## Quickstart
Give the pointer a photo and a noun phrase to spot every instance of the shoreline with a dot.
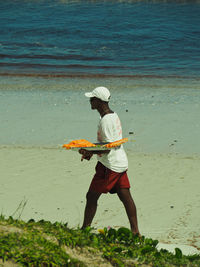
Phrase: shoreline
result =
(81, 75)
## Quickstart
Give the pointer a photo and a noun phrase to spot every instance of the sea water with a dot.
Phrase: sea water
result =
(124, 38)
(146, 52)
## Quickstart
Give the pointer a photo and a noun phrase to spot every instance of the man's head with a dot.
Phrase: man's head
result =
(101, 93)
(99, 98)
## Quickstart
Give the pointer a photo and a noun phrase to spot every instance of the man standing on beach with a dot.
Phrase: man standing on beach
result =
(111, 169)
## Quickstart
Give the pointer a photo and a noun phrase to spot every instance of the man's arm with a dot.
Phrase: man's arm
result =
(87, 154)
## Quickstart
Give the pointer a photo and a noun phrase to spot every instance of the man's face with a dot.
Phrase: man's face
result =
(94, 102)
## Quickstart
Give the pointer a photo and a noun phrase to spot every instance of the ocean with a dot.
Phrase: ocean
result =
(100, 38)
(146, 52)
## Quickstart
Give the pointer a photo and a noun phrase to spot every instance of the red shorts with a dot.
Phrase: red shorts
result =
(106, 180)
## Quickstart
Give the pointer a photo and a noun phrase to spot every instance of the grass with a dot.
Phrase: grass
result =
(44, 243)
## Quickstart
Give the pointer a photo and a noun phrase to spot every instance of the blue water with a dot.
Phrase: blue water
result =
(100, 38)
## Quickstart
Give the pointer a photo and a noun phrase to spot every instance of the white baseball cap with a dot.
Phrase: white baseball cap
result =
(100, 92)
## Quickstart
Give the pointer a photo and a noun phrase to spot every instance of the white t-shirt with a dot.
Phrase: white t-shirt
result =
(110, 130)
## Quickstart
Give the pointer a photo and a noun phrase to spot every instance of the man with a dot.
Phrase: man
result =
(111, 175)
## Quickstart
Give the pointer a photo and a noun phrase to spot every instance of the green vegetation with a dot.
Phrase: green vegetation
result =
(44, 243)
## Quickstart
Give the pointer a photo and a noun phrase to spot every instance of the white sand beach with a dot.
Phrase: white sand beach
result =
(39, 115)
(53, 183)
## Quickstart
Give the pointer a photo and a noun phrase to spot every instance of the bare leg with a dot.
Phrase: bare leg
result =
(91, 207)
(125, 196)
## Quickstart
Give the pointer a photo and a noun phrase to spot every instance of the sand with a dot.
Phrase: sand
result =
(161, 115)
(51, 183)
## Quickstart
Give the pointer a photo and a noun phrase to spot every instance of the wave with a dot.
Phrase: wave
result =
(56, 57)
(60, 66)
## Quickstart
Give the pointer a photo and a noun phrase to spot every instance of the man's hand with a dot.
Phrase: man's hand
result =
(85, 154)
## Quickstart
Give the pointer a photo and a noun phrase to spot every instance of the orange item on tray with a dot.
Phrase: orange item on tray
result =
(116, 143)
(78, 143)
(84, 143)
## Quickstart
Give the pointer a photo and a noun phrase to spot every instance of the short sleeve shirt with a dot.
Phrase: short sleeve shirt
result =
(110, 130)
